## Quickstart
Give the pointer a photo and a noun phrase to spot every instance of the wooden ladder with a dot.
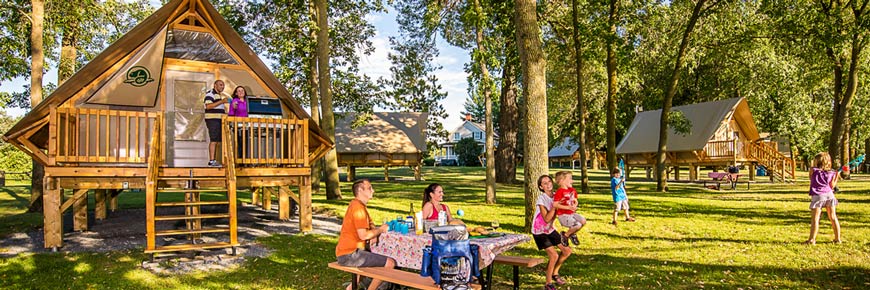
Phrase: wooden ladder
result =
(189, 194)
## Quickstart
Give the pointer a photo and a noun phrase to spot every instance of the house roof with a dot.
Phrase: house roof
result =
(386, 132)
(566, 148)
(706, 118)
(145, 31)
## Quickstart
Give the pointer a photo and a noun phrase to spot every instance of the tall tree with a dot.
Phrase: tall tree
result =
(327, 121)
(480, 56)
(699, 9)
(314, 99)
(581, 98)
(505, 160)
(37, 63)
(535, 97)
(612, 83)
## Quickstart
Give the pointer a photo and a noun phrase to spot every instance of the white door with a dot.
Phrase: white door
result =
(187, 137)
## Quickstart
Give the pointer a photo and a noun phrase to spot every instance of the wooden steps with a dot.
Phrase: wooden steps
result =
(189, 247)
(188, 232)
(186, 188)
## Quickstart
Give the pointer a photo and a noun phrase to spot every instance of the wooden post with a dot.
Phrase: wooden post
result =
(283, 203)
(267, 198)
(647, 169)
(305, 224)
(677, 172)
(113, 199)
(418, 175)
(351, 173)
(80, 210)
(751, 171)
(100, 204)
(386, 173)
(255, 196)
(52, 217)
(693, 172)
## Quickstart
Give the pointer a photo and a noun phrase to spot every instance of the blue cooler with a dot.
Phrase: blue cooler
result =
(451, 261)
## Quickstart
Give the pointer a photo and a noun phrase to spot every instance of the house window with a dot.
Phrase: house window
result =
(456, 136)
(477, 135)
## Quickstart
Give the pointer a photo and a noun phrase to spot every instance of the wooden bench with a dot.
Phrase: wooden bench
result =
(516, 262)
(395, 276)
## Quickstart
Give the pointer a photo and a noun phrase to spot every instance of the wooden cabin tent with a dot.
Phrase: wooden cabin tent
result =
(388, 139)
(722, 133)
(133, 118)
(569, 151)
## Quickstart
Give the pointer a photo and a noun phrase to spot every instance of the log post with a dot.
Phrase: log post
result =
(677, 172)
(113, 200)
(100, 204)
(52, 217)
(80, 210)
(351, 173)
(751, 171)
(386, 173)
(284, 202)
(418, 174)
(305, 215)
(267, 198)
(693, 172)
(255, 196)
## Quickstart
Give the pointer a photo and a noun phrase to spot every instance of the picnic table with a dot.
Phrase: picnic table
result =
(732, 178)
(407, 250)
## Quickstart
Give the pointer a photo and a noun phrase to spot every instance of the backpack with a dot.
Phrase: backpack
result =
(451, 261)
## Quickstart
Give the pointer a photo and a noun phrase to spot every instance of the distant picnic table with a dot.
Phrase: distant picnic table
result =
(719, 177)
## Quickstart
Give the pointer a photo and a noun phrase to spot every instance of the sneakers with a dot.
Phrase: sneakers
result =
(549, 287)
(213, 163)
(564, 239)
(574, 240)
(631, 219)
(559, 280)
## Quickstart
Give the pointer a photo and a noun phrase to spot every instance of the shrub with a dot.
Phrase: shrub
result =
(467, 151)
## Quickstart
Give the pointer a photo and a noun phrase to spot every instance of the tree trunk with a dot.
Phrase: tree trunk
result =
(506, 166)
(661, 177)
(37, 58)
(314, 97)
(535, 96)
(843, 99)
(328, 117)
(581, 100)
(611, 84)
(487, 95)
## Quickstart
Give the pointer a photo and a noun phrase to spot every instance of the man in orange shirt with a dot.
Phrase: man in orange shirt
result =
(357, 229)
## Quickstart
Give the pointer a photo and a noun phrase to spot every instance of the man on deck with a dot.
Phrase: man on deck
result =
(357, 229)
(214, 111)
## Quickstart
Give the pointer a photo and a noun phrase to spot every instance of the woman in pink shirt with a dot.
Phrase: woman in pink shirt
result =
(239, 106)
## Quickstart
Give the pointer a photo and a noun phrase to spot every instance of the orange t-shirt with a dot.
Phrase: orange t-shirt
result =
(356, 217)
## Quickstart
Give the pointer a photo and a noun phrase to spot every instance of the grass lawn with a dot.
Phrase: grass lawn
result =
(688, 238)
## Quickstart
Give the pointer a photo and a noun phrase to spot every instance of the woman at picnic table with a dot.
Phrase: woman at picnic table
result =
(432, 206)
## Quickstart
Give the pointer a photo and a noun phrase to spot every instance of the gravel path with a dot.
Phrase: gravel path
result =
(125, 230)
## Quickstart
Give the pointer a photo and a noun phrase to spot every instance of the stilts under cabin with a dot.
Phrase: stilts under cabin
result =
(133, 118)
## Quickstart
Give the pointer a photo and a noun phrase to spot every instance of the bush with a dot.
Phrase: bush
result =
(428, 161)
(468, 150)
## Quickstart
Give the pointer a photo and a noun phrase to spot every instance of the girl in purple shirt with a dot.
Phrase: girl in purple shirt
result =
(822, 183)
(238, 106)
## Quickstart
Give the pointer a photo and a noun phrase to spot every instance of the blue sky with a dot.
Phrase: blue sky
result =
(451, 77)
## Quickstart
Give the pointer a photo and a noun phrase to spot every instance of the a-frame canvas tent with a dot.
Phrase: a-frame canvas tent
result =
(125, 119)
(722, 133)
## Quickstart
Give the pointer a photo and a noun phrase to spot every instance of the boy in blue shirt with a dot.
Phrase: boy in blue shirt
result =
(620, 200)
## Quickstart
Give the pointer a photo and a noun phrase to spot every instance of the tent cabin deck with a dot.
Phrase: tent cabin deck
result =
(133, 118)
(387, 140)
(722, 134)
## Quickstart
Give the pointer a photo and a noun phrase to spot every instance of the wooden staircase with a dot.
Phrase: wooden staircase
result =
(780, 167)
(173, 191)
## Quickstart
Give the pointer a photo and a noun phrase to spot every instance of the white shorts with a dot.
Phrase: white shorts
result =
(572, 220)
(823, 201)
(621, 205)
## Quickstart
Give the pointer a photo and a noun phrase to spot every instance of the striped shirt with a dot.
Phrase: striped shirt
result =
(216, 112)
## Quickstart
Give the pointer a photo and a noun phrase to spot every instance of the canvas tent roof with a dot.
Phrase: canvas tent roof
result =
(128, 44)
(386, 132)
(706, 118)
(566, 148)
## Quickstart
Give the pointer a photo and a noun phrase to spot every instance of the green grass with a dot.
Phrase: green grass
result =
(687, 238)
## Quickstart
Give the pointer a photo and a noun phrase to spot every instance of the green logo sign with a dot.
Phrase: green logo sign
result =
(138, 76)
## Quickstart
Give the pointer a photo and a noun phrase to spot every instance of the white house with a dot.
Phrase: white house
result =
(467, 129)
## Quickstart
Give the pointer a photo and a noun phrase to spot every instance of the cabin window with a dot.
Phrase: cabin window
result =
(457, 136)
(194, 45)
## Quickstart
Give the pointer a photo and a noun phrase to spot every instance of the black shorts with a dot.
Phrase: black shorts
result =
(215, 133)
(548, 240)
(362, 259)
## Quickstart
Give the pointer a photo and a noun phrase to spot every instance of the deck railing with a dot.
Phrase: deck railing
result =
(269, 142)
(101, 136)
(721, 149)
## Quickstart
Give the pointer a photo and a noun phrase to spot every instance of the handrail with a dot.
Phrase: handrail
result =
(100, 135)
(151, 179)
(776, 162)
(267, 141)
(229, 155)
